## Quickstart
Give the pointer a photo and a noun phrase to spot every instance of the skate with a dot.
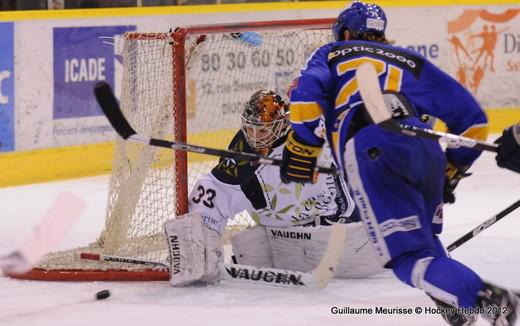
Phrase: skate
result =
(499, 306)
(454, 317)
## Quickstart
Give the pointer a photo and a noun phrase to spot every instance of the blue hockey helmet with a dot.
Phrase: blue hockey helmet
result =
(359, 18)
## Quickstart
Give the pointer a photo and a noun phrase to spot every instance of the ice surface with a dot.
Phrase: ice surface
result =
(494, 254)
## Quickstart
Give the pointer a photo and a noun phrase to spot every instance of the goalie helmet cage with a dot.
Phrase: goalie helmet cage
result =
(189, 85)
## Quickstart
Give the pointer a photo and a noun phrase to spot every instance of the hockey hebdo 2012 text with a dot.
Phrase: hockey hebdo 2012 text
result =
(346, 310)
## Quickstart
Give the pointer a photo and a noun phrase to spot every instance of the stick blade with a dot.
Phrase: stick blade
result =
(325, 270)
(108, 103)
(55, 224)
(368, 83)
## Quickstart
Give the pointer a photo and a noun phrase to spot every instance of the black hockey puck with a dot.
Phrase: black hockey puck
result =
(102, 295)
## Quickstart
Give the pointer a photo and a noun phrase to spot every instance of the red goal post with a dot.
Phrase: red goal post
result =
(188, 85)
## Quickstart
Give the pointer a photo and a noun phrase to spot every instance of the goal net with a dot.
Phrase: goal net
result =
(189, 85)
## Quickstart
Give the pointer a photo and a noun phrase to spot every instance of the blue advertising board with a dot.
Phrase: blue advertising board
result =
(6, 87)
(83, 56)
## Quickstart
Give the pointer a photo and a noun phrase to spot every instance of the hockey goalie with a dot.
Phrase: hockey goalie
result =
(292, 220)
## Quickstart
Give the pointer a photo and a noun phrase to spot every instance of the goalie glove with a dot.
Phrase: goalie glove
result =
(508, 155)
(453, 175)
(299, 160)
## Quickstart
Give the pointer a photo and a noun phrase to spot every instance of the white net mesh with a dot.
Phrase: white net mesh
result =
(222, 72)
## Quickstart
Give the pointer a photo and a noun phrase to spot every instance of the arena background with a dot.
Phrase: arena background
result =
(45, 136)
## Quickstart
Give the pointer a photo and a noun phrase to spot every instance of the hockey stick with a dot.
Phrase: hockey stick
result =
(318, 278)
(126, 260)
(271, 276)
(484, 225)
(110, 107)
(368, 84)
(57, 221)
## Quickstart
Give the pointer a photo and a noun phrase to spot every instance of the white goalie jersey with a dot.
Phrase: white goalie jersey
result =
(234, 186)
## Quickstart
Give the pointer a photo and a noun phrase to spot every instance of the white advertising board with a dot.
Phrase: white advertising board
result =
(57, 62)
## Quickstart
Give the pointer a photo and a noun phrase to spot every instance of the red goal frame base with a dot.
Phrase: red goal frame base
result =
(77, 275)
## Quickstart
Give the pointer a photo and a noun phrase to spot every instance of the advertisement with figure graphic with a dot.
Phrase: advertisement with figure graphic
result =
(6, 88)
(485, 54)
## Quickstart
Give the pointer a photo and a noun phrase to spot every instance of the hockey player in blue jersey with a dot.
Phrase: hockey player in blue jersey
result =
(508, 155)
(399, 182)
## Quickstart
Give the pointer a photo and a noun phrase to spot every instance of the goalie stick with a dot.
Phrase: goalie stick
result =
(482, 226)
(372, 96)
(110, 107)
(318, 278)
(57, 221)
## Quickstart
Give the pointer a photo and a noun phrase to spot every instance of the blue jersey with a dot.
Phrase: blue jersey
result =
(327, 86)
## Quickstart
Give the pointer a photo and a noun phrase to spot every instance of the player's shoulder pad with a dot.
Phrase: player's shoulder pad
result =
(230, 170)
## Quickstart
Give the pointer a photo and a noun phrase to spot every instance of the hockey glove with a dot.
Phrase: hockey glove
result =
(453, 175)
(509, 149)
(299, 160)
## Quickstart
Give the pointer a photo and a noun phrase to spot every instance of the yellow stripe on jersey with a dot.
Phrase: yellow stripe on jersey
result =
(338, 125)
(304, 112)
(394, 78)
(478, 132)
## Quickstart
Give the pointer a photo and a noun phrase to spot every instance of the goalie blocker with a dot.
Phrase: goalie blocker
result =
(196, 253)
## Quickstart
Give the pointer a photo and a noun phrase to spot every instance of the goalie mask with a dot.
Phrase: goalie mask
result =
(264, 119)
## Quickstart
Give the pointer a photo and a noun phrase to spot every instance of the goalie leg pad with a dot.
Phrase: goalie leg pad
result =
(252, 247)
(302, 248)
(214, 257)
(195, 251)
(359, 258)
